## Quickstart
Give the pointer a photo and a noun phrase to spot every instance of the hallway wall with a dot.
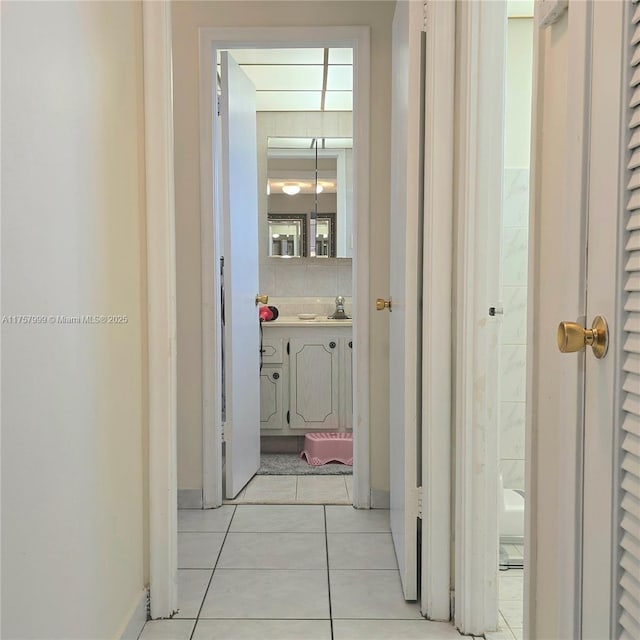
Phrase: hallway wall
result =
(74, 536)
(187, 17)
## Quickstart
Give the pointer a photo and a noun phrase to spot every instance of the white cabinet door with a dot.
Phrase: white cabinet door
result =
(346, 383)
(314, 383)
(272, 398)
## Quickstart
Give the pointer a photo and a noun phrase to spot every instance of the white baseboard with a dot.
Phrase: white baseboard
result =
(189, 498)
(380, 499)
(137, 618)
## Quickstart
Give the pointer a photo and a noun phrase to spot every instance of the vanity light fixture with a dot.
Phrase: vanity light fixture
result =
(291, 189)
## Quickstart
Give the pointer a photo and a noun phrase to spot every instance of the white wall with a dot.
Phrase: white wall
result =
(519, 78)
(187, 17)
(515, 223)
(73, 396)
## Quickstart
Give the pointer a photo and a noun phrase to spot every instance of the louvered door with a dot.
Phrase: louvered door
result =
(629, 455)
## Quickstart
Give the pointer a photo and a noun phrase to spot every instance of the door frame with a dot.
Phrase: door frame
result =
(210, 40)
(439, 83)
(481, 37)
(161, 309)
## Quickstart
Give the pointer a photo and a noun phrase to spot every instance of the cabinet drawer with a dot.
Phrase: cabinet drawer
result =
(272, 350)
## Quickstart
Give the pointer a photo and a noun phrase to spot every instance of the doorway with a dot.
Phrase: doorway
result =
(513, 331)
(491, 307)
(305, 40)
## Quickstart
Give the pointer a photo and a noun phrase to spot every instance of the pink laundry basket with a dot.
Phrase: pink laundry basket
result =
(321, 448)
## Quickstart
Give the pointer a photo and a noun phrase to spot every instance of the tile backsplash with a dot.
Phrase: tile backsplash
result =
(513, 365)
(320, 305)
(306, 277)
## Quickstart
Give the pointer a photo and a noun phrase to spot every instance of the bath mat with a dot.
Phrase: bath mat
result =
(290, 464)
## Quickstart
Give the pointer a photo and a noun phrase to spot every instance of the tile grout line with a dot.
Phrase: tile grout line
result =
(326, 542)
(206, 591)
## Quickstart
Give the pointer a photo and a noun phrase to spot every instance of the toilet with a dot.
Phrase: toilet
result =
(511, 515)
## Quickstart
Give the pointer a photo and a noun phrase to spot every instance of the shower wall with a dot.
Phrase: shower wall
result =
(513, 345)
(515, 224)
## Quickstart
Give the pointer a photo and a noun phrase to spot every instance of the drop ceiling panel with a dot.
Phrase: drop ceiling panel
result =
(338, 101)
(278, 56)
(292, 79)
(288, 100)
(340, 56)
(290, 143)
(338, 143)
(285, 77)
(339, 78)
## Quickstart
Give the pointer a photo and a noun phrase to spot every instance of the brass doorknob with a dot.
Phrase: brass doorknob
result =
(574, 337)
(261, 299)
(382, 304)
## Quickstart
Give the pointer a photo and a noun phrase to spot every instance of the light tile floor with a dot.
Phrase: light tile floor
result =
(510, 606)
(290, 572)
(296, 490)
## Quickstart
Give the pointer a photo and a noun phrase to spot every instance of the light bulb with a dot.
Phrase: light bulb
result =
(319, 188)
(291, 189)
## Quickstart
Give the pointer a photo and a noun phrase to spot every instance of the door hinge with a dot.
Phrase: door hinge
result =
(415, 505)
(425, 14)
(223, 434)
(288, 416)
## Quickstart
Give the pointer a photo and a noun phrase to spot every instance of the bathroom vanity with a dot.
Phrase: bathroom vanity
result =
(306, 376)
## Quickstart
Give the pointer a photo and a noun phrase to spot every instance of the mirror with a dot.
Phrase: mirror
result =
(310, 197)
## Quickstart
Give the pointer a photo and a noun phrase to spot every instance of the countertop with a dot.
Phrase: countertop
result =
(294, 321)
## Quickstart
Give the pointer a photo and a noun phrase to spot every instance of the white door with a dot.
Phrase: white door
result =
(239, 187)
(404, 285)
(576, 210)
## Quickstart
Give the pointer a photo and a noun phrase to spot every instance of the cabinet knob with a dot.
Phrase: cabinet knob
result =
(350, 344)
(332, 345)
(276, 375)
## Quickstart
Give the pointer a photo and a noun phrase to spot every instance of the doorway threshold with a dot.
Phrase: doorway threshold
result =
(301, 489)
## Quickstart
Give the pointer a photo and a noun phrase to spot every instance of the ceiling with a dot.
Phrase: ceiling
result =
(299, 79)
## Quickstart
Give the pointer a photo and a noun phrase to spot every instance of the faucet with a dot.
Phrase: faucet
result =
(339, 313)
